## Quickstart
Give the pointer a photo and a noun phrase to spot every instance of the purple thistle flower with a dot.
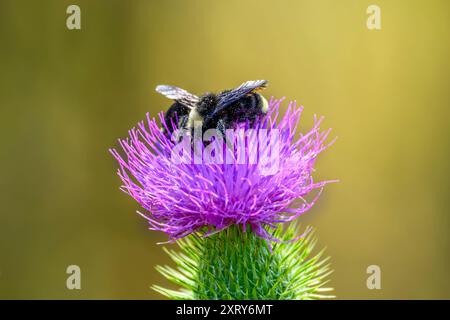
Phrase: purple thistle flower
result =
(182, 198)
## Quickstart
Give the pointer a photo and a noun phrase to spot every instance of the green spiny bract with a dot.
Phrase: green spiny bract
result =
(237, 264)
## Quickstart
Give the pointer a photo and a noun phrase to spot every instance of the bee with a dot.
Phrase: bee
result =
(219, 111)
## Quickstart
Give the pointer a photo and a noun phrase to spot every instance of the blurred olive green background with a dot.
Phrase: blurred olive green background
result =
(66, 96)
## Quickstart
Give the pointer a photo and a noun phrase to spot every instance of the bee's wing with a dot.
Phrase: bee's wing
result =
(227, 98)
(178, 94)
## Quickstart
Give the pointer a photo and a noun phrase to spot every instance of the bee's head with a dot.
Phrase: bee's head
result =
(207, 104)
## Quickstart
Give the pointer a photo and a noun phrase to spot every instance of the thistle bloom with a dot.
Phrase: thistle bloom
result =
(182, 198)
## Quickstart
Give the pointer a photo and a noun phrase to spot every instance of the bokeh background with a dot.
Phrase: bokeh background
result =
(66, 96)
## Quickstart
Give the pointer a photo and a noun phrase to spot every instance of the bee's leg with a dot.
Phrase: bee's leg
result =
(182, 123)
(221, 128)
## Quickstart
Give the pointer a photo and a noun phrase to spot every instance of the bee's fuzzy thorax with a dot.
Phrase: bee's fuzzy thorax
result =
(207, 103)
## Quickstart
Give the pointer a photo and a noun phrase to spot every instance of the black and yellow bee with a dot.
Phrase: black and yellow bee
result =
(220, 111)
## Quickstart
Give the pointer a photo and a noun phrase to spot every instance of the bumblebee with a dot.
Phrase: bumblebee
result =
(219, 111)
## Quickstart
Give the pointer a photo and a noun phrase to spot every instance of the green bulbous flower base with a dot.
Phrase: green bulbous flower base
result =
(238, 265)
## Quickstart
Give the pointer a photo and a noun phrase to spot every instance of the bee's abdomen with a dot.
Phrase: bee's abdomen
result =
(263, 104)
(247, 109)
(258, 103)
